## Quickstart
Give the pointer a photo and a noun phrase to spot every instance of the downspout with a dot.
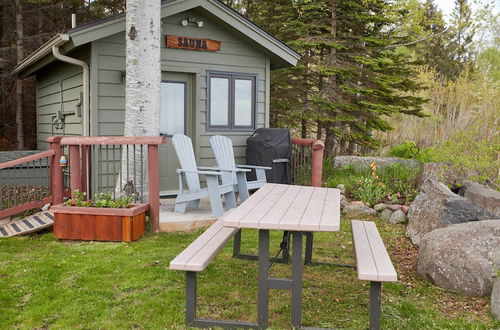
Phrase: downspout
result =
(86, 89)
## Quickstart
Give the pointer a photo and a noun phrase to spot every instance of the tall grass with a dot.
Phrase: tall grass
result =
(462, 124)
(471, 103)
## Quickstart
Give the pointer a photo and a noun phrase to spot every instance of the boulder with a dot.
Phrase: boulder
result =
(397, 216)
(446, 172)
(363, 163)
(358, 211)
(341, 186)
(460, 257)
(482, 195)
(380, 207)
(495, 293)
(436, 206)
(386, 214)
(495, 299)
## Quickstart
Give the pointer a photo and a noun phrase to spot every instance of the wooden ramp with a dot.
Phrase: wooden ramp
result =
(27, 225)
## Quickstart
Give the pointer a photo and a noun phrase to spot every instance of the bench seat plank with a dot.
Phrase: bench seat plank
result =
(373, 261)
(203, 250)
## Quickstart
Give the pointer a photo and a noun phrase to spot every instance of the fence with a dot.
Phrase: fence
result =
(307, 162)
(111, 165)
(25, 183)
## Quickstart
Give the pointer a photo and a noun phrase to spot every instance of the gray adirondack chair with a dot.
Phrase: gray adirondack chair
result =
(189, 173)
(224, 155)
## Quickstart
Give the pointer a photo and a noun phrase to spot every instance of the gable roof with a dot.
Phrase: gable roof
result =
(281, 55)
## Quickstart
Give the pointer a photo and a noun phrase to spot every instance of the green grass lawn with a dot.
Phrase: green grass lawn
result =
(45, 283)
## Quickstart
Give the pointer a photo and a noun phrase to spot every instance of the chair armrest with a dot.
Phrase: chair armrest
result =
(223, 169)
(198, 172)
(255, 167)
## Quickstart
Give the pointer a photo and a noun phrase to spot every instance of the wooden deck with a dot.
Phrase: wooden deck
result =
(27, 225)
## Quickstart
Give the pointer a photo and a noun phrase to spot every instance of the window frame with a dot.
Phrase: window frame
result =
(232, 76)
(185, 103)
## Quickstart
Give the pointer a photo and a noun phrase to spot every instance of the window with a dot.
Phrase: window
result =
(231, 101)
(172, 107)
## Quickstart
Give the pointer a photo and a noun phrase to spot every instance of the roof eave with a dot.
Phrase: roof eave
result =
(40, 53)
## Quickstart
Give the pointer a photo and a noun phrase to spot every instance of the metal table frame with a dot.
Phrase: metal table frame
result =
(265, 283)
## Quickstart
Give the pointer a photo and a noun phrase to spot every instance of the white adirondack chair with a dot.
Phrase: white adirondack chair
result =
(190, 173)
(224, 155)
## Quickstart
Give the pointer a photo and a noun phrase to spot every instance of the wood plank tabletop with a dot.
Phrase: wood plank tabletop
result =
(288, 207)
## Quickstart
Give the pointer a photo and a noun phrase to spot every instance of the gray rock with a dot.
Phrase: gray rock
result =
(487, 197)
(437, 206)
(460, 257)
(343, 201)
(397, 216)
(380, 207)
(363, 163)
(495, 299)
(445, 172)
(395, 207)
(386, 214)
(358, 211)
(341, 186)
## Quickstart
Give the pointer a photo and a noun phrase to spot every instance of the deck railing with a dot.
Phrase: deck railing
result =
(307, 162)
(25, 183)
(115, 165)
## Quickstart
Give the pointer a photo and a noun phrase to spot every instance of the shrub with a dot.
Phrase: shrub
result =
(409, 150)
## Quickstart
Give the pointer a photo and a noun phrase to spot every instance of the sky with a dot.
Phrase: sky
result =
(447, 6)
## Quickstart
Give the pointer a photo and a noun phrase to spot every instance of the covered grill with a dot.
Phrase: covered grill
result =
(271, 147)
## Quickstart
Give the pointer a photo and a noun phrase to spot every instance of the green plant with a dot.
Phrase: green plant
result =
(100, 200)
(409, 150)
(392, 184)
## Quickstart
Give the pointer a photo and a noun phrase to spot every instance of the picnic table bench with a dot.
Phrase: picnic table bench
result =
(372, 264)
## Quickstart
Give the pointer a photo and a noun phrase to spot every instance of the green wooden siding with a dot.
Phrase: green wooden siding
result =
(59, 86)
(108, 62)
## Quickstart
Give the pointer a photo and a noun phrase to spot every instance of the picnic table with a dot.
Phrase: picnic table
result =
(296, 209)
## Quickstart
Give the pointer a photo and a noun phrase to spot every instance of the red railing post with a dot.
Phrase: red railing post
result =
(154, 186)
(56, 175)
(317, 147)
(75, 181)
(317, 163)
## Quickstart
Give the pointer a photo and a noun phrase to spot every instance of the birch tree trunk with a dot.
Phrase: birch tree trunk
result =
(19, 82)
(143, 77)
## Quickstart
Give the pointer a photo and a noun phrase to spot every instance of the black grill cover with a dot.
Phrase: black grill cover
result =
(271, 147)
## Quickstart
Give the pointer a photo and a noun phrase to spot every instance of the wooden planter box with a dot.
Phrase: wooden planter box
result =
(99, 224)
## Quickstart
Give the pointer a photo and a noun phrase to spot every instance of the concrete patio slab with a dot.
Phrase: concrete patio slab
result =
(171, 221)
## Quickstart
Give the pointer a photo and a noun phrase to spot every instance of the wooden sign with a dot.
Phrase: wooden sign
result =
(193, 43)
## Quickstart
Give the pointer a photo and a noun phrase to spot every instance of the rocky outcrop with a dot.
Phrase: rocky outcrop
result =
(484, 196)
(436, 206)
(363, 163)
(461, 257)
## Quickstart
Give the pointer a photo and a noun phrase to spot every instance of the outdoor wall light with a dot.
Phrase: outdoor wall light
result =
(191, 20)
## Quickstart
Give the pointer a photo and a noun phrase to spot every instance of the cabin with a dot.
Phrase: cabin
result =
(215, 64)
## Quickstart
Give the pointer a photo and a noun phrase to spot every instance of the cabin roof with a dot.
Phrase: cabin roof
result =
(280, 54)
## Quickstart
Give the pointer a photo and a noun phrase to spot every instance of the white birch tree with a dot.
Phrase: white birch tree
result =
(143, 76)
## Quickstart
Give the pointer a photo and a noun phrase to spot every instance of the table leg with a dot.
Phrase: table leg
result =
(263, 302)
(296, 310)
